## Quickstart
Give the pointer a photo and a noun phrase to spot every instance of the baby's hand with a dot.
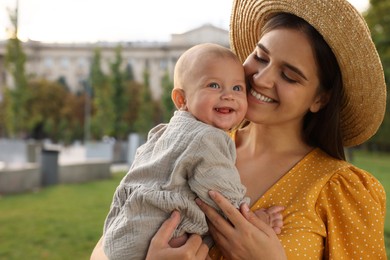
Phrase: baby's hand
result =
(272, 216)
(178, 241)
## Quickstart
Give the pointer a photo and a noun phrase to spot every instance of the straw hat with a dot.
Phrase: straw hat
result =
(346, 32)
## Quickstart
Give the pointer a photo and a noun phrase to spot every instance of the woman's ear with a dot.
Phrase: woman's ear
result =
(178, 98)
(320, 101)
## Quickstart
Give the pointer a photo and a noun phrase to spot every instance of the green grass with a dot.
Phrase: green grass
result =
(59, 222)
(65, 221)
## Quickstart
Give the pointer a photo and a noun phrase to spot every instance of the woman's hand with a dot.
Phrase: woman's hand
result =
(159, 247)
(243, 235)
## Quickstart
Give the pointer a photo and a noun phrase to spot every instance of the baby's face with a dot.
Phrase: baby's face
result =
(216, 92)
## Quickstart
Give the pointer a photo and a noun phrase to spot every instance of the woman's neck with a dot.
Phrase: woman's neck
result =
(260, 139)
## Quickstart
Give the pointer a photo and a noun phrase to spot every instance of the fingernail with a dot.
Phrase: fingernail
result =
(174, 213)
(198, 201)
(212, 194)
(245, 207)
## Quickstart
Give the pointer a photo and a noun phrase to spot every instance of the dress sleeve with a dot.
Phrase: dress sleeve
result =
(352, 206)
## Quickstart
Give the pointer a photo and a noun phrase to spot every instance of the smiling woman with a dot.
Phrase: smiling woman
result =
(115, 20)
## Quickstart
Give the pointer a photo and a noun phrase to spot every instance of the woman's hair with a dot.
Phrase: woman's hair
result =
(321, 129)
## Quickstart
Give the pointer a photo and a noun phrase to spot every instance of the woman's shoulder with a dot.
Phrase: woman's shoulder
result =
(358, 183)
(345, 178)
(328, 171)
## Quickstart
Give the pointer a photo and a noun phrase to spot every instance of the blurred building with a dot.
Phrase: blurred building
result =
(70, 63)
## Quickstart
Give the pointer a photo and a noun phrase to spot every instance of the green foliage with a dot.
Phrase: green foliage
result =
(14, 60)
(133, 94)
(113, 104)
(6, 114)
(145, 117)
(45, 105)
(72, 118)
(119, 97)
(378, 19)
(102, 122)
(168, 107)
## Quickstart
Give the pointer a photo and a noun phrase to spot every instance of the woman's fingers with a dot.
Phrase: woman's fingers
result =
(159, 248)
(215, 219)
(231, 212)
(164, 234)
(195, 241)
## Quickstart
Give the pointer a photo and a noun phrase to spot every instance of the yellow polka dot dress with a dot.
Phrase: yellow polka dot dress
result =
(333, 210)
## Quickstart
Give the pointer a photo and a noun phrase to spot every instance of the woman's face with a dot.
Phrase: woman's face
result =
(282, 79)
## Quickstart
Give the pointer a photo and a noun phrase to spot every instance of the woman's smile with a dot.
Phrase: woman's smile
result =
(261, 97)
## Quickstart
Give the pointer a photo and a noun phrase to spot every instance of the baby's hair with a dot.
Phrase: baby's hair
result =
(193, 56)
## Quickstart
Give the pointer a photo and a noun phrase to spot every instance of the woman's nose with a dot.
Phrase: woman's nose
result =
(265, 77)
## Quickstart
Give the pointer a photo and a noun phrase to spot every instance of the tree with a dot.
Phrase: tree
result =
(16, 98)
(378, 19)
(72, 118)
(119, 98)
(102, 122)
(145, 116)
(133, 94)
(166, 101)
(45, 106)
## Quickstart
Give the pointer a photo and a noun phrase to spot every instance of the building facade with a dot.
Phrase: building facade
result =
(71, 62)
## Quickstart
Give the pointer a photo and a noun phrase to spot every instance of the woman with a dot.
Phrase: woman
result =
(316, 86)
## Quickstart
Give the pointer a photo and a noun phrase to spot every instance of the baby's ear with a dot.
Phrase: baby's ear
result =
(179, 98)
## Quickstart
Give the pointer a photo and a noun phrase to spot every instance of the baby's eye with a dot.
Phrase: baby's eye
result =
(214, 85)
(237, 88)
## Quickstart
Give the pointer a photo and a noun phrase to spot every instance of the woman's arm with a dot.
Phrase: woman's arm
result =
(159, 247)
(98, 253)
(243, 235)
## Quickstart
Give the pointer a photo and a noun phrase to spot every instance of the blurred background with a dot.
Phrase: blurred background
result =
(81, 84)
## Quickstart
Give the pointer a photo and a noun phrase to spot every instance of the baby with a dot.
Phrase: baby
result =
(184, 159)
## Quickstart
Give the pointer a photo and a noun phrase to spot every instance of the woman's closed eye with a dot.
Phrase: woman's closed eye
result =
(288, 79)
(260, 59)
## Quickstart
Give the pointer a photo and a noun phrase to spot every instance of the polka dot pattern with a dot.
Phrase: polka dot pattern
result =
(333, 210)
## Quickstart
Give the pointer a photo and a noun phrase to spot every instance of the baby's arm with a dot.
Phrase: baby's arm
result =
(272, 216)
(214, 168)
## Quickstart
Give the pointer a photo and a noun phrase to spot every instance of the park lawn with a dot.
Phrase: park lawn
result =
(65, 221)
(58, 222)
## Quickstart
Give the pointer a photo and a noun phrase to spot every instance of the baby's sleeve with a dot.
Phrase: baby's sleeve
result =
(215, 170)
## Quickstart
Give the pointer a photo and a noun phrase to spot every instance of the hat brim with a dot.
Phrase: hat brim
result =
(346, 32)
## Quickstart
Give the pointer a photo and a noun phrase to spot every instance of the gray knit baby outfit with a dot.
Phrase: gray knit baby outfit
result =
(180, 161)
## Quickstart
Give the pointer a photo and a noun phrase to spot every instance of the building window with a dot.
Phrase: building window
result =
(48, 62)
(65, 63)
(82, 62)
(163, 64)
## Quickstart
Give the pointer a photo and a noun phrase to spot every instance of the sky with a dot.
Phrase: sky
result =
(67, 21)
